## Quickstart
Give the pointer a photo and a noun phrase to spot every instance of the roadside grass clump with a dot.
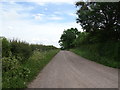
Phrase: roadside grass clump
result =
(103, 53)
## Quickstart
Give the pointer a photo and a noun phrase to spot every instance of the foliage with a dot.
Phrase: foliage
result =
(37, 55)
(5, 47)
(68, 37)
(81, 39)
(20, 49)
(17, 75)
(37, 62)
(100, 19)
(41, 47)
(13, 73)
(21, 61)
(104, 53)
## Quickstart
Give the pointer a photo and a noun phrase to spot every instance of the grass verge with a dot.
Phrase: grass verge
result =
(94, 56)
(38, 61)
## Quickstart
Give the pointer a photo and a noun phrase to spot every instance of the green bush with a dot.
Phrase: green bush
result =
(13, 73)
(21, 49)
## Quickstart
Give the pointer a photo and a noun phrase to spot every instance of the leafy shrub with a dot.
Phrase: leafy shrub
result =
(13, 73)
(21, 49)
(37, 55)
(9, 63)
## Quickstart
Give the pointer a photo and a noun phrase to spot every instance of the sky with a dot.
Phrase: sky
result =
(37, 21)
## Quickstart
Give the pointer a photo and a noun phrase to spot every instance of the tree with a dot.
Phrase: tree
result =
(68, 37)
(100, 18)
(81, 39)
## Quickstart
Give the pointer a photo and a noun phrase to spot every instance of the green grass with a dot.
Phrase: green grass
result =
(19, 75)
(95, 56)
(38, 61)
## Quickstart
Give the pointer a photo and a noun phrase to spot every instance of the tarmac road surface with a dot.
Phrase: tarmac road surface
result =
(68, 70)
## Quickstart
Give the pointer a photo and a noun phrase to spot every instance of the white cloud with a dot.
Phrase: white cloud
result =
(72, 14)
(11, 12)
(10, 28)
(38, 16)
(55, 18)
(9, 15)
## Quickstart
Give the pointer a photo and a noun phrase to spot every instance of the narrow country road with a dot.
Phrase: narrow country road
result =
(68, 70)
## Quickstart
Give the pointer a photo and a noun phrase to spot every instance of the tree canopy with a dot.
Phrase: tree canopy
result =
(100, 22)
(100, 18)
(68, 37)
